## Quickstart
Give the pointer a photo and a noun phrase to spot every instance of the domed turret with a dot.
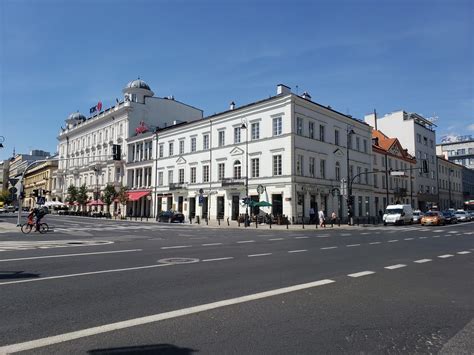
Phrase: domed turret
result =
(74, 119)
(140, 84)
(136, 91)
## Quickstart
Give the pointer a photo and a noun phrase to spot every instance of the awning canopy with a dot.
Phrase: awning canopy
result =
(136, 195)
(95, 203)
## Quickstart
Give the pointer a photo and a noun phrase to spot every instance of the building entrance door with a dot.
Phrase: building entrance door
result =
(220, 206)
(235, 207)
(169, 203)
(204, 207)
(180, 203)
(192, 207)
(277, 205)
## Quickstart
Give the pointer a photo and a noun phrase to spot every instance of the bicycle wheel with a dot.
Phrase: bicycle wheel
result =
(43, 228)
(26, 228)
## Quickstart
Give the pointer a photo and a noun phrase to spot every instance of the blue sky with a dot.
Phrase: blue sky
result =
(57, 57)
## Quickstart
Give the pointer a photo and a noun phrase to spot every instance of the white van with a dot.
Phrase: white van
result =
(398, 214)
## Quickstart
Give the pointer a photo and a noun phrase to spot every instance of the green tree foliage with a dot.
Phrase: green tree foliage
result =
(109, 195)
(5, 197)
(71, 194)
(81, 197)
(122, 195)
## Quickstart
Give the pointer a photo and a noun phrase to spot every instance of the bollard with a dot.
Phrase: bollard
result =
(141, 218)
(302, 221)
(190, 220)
(357, 221)
(339, 221)
(207, 221)
(238, 221)
(219, 221)
(256, 223)
(147, 218)
(198, 220)
(270, 223)
(228, 221)
(287, 223)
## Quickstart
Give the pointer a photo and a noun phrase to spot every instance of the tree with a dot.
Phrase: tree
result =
(71, 194)
(5, 197)
(82, 196)
(109, 195)
(122, 195)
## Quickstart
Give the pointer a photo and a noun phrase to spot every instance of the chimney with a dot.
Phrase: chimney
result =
(283, 89)
(306, 96)
(232, 105)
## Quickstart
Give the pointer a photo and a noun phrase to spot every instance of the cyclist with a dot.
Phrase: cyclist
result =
(39, 214)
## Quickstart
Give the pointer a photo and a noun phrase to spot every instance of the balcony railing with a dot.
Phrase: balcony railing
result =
(177, 186)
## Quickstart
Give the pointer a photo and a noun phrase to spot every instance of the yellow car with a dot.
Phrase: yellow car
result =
(434, 218)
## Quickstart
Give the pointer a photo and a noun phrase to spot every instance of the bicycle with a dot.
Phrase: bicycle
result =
(28, 226)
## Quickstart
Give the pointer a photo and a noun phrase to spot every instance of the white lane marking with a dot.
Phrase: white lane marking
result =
(436, 236)
(422, 237)
(421, 261)
(362, 273)
(453, 232)
(326, 248)
(38, 343)
(345, 234)
(67, 255)
(438, 231)
(364, 233)
(211, 244)
(352, 245)
(218, 259)
(177, 247)
(297, 251)
(301, 237)
(263, 254)
(83, 274)
(463, 252)
(276, 239)
(246, 241)
(373, 243)
(185, 235)
(393, 241)
(445, 256)
(408, 239)
(393, 267)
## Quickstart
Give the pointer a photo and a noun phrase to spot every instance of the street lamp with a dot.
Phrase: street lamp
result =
(244, 126)
(350, 132)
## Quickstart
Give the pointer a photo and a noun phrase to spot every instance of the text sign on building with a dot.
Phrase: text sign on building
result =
(96, 108)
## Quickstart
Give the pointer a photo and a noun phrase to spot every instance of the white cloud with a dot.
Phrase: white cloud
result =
(471, 127)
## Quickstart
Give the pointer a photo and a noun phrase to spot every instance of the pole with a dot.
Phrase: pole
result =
(349, 182)
(449, 186)
(411, 187)
(210, 172)
(247, 173)
(156, 176)
(386, 178)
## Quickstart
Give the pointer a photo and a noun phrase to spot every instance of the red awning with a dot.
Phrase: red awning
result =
(95, 203)
(136, 195)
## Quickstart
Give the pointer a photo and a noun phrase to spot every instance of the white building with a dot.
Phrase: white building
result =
(450, 184)
(291, 149)
(417, 134)
(458, 149)
(85, 144)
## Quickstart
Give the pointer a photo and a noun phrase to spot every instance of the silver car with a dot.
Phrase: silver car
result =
(417, 216)
(462, 216)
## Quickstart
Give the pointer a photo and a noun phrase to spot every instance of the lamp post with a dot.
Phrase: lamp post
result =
(244, 126)
(349, 132)
(449, 186)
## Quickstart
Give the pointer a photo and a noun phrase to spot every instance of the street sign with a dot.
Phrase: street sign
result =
(260, 189)
(13, 181)
(41, 200)
(343, 187)
(397, 173)
(201, 199)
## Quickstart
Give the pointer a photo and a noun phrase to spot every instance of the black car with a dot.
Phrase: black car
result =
(450, 217)
(171, 216)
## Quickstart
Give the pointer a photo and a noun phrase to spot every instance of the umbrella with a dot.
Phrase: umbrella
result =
(53, 204)
(95, 203)
(263, 204)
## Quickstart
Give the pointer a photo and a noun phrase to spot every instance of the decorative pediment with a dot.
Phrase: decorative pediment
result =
(236, 151)
(181, 160)
(395, 150)
(338, 153)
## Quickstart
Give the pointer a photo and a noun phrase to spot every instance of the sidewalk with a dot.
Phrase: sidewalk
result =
(8, 227)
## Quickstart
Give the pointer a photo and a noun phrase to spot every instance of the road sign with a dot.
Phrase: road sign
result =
(13, 181)
(397, 173)
(41, 200)
(201, 199)
(260, 189)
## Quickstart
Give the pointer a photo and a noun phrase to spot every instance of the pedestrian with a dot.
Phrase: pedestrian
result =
(380, 214)
(333, 218)
(322, 222)
(312, 214)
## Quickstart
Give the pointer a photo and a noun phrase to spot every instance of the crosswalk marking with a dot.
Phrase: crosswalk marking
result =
(49, 244)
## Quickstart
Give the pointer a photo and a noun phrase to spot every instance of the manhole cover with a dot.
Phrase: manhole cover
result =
(178, 261)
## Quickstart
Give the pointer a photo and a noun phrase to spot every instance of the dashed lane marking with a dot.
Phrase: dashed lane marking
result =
(297, 251)
(362, 273)
(373, 243)
(422, 261)
(301, 237)
(393, 241)
(246, 241)
(177, 247)
(263, 254)
(453, 232)
(445, 256)
(276, 239)
(211, 244)
(326, 248)
(352, 245)
(463, 252)
(408, 239)
(393, 267)
(436, 236)
(218, 259)
(422, 237)
(69, 255)
(364, 233)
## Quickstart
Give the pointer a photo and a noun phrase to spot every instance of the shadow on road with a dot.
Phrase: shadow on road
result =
(6, 275)
(157, 349)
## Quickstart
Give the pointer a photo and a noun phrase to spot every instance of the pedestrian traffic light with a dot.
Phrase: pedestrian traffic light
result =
(117, 152)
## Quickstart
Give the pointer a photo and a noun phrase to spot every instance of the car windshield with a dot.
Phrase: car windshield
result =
(394, 211)
(460, 212)
(431, 214)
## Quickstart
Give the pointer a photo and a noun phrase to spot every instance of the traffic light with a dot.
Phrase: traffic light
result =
(350, 200)
(424, 166)
(35, 193)
(117, 152)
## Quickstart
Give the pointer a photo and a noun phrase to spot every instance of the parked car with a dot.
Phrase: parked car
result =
(398, 214)
(171, 216)
(450, 217)
(462, 216)
(433, 218)
(9, 208)
(417, 214)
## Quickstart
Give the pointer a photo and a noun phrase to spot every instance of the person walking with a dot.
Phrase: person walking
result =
(312, 214)
(333, 218)
(322, 222)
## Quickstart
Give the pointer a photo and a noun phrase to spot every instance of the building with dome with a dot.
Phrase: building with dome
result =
(85, 143)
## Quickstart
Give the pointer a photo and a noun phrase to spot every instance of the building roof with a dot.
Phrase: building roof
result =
(390, 146)
(140, 84)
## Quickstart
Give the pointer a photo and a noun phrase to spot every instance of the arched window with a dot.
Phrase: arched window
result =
(237, 170)
(338, 171)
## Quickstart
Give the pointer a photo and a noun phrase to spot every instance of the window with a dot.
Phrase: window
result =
(365, 145)
(221, 141)
(349, 141)
(311, 166)
(359, 170)
(359, 199)
(299, 165)
(237, 134)
(205, 142)
(376, 182)
(418, 138)
(431, 143)
(311, 129)
(375, 159)
(221, 171)
(161, 150)
(299, 126)
(170, 177)
(277, 127)
(205, 173)
(338, 171)
(357, 143)
(181, 146)
(193, 144)
(255, 127)
(336, 137)
(181, 176)
(171, 148)
(277, 165)
(366, 176)
(193, 175)
(322, 169)
(384, 183)
(425, 141)
(321, 133)
(255, 164)
(237, 169)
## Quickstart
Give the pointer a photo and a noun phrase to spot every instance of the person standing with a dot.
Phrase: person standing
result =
(322, 222)
(333, 218)
(312, 214)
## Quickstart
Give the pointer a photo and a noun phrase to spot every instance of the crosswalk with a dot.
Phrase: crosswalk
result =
(49, 244)
(115, 227)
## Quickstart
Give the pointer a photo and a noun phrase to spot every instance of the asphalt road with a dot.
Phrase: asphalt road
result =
(130, 287)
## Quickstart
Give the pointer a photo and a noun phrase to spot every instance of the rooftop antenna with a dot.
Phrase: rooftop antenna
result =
(375, 119)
